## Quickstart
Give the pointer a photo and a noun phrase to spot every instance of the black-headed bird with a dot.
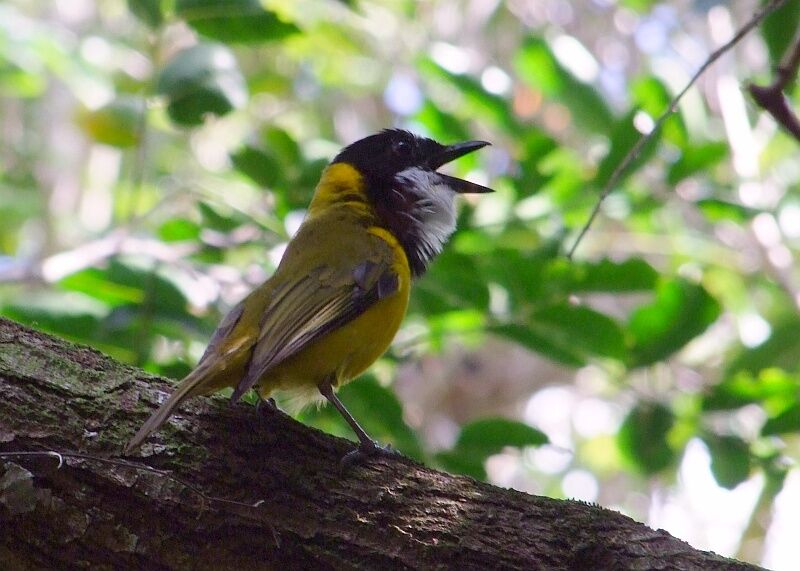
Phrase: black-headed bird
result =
(380, 214)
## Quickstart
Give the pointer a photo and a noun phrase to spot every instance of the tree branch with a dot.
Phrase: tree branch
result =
(772, 97)
(223, 487)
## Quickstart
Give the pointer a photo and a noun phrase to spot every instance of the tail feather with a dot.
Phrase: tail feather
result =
(190, 386)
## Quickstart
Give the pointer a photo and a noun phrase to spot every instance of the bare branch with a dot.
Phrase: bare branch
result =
(772, 97)
(643, 140)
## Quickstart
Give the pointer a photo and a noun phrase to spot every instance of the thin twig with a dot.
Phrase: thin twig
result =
(644, 139)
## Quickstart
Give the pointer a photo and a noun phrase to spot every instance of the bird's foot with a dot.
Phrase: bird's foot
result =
(266, 407)
(367, 449)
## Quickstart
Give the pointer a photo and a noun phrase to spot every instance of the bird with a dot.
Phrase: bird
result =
(380, 214)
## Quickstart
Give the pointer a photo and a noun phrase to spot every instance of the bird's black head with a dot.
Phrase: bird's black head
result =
(380, 157)
(412, 200)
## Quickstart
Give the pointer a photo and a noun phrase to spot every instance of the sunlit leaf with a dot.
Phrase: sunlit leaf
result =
(781, 349)
(638, 5)
(718, 210)
(653, 97)
(178, 229)
(118, 123)
(488, 106)
(234, 21)
(770, 386)
(63, 315)
(442, 126)
(539, 68)
(122, 283)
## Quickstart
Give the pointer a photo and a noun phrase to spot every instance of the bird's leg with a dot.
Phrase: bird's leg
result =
(368, 446)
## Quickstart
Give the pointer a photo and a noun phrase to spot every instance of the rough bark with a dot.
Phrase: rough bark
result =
(283, 500)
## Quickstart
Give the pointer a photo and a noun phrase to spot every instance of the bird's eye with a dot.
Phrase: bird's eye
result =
(402, 148)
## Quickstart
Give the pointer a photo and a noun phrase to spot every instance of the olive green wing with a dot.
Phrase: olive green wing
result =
(315, 304)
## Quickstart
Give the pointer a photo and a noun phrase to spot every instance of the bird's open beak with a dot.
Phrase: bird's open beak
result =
(451, 153)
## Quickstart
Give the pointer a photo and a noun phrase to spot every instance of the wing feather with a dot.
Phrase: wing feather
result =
(311, 307)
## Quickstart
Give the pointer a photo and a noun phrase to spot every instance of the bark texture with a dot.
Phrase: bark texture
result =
(273, 495)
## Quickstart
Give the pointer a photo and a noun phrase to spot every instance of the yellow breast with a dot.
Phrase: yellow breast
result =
(341, 213)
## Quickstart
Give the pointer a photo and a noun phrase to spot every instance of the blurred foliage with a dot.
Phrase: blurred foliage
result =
(158, 153)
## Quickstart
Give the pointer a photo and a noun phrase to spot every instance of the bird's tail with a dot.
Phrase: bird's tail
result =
(193, 384)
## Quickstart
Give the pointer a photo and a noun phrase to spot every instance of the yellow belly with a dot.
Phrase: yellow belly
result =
(349, 350)
(344, 353)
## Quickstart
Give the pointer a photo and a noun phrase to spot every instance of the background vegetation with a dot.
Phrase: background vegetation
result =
(157, 154)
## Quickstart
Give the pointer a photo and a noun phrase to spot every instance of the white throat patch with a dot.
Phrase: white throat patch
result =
(430, 212)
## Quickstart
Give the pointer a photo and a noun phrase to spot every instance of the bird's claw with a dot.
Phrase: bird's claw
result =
(266, 407)
(366, 450)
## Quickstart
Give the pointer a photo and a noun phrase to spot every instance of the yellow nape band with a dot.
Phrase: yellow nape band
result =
(340, 183)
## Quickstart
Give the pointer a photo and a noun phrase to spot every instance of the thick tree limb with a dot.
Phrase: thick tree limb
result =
(286, 503)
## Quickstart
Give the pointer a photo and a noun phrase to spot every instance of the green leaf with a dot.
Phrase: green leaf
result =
(151, 12)
(520, 274)
(696, 158)
(653, 97)
(784, 422)
(117, 123)
(179, 229)
(631, 275)
(730, 459)
(779, 29)
(642, 438)
(680, 312)
(200, 80)
(569, 334)
(482, 438)
(234, 21)
(779, 350)
(641, 6)
(539, 68)
(452, 282)
(719, 210)
(61, 314)
(441, 125)
(624, 136)
(771, 387)
(479, 102)
(123, 283)
(216, 219)
(535, 147)
(260, 166)
(285, 148)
